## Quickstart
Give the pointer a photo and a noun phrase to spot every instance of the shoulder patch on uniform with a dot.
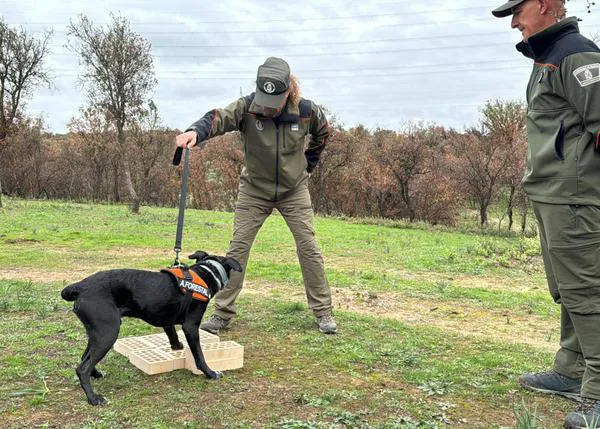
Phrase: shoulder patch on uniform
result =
(587, 75)
(320, 113)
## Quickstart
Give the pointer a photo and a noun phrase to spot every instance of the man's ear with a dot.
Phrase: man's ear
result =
(198, 255)
(232, 264)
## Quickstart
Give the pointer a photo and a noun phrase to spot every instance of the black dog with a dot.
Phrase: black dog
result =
(155, 297)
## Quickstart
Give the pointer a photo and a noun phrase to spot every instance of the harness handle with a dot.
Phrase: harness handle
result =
(182, 199)
(177, 156)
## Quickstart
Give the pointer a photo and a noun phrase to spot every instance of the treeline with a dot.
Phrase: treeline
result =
(421, 173)
(117, 150)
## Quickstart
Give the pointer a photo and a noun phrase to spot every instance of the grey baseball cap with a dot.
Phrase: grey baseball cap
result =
(272, 81)
(506, 8)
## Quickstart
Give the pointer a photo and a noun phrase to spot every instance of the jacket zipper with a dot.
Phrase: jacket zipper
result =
(277, 161)
(283, 144)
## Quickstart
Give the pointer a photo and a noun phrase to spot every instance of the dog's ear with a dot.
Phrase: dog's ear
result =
(232, 264)
(198, 255)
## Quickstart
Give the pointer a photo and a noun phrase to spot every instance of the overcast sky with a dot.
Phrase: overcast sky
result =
(379, 63)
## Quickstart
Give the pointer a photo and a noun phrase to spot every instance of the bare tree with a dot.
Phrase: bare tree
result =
(506, 125)
(118, 79)
(21, 71)
(93, 138)
(407, 156)
(150, 141)
(486, 156)
(340, 150)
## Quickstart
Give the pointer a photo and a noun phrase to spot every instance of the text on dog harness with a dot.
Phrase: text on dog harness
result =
(193, 283)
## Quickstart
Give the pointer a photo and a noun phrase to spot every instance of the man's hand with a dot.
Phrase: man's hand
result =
(186, 140)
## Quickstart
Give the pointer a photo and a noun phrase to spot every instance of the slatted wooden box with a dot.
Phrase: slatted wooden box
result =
(153, 361)
(153, 355)
(221, 356)
(127, 345)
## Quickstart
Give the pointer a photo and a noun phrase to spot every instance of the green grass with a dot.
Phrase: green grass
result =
(408, 302)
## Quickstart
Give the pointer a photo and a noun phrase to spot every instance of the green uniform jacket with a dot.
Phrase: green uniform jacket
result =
(276, 161)
(563, 117)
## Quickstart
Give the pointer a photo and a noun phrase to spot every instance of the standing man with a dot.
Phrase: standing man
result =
(563, 183)
(273, 122)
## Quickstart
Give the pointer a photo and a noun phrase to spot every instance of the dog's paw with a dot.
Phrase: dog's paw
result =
(178, 346)
(96, 400)
(97, 374)
(215, 375)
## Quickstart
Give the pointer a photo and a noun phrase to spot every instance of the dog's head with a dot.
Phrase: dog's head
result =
(218, 268)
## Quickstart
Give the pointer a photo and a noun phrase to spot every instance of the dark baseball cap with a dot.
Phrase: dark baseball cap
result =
(272, 81)
(506, 8)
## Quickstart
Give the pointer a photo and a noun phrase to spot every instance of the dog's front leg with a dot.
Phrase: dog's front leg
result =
(173, 339)
(193, 338)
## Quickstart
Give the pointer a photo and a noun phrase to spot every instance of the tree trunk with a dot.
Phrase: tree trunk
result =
(510, 207)
(135, 201)
(483, 214)
(524, 220)
(116, 191)
(2, 142)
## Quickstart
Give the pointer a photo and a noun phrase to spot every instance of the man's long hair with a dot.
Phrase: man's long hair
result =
(294, 97)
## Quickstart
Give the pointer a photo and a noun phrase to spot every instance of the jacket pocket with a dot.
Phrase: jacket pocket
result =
(293, 137)
(559, 142)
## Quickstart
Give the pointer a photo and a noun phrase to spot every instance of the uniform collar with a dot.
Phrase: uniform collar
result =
(291, 112)
(540, 42)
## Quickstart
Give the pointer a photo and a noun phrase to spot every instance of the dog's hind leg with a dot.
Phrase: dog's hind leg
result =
(95, 373)
(173, 338)
(102, 324)
(193, 338)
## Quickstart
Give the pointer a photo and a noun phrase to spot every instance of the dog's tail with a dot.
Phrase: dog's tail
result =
(70, 293)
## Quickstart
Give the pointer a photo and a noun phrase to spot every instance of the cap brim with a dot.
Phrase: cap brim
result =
(506, 9)
(273, 101)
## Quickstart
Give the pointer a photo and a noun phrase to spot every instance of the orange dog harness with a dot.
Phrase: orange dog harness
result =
(195, 284)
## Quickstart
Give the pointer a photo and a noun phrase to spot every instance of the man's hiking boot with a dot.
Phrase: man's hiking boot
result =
(326, 324)
(586, 416)
(553, 383)
(215, 324)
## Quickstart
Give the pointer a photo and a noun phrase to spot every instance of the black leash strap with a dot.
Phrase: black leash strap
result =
(182, 198)
(177, 156)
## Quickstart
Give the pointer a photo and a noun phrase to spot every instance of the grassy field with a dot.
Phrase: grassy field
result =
(435, 326)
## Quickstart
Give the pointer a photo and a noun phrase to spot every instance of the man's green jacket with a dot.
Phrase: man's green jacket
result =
(276, 160)
(563, 117)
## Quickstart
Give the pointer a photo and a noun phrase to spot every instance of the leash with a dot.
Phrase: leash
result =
(182, 199)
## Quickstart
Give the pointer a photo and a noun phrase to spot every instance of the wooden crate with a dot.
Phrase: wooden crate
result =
(178, 356)
(221, 356)
(152, 361)
(153, 355)
(127, 345)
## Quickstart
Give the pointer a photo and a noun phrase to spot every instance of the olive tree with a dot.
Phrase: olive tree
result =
(118, 79)
(22, 69)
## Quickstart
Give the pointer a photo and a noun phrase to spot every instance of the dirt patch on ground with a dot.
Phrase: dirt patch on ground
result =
(499, 283)
(112, 258)
(523, 284)
(141, 251)
(450, 316)
(21, 241)
(26, 274)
